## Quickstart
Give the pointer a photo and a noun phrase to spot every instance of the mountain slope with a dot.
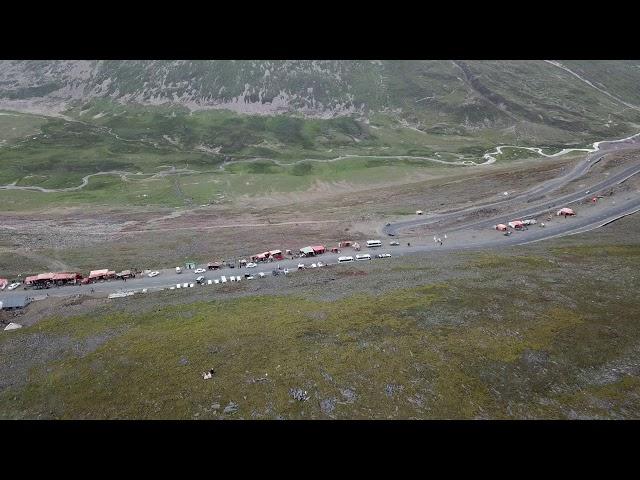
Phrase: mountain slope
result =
(473, 94)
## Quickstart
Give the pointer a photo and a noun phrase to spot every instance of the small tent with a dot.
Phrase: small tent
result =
(13, 326)
(307, 251)
(565, 212)
(517, 224)
(277, 254)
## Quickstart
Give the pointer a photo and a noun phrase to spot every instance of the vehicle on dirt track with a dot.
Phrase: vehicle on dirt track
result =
(199, 270)
(394, 243)
(155, 273)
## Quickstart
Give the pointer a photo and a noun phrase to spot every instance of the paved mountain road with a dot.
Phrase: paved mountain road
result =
(542, 189)
(169, 278)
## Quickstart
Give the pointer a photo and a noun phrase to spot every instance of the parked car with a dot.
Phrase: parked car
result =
(178, 270)
(155, 273)
(395, 243)
(363, 256)
(199, 270)
(300, 266)
(320, 264)
(252, 265)
(13, 286)
(200, 280)
(384, 255)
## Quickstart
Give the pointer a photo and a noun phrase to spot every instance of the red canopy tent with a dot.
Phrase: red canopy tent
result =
(66, 277)
(105, 273)
(39, 279)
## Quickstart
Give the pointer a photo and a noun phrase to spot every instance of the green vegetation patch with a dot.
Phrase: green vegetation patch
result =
(462, 348)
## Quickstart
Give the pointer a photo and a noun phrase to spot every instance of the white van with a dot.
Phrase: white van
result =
(373, 243)
(363, 256)
(178, 270)
(345, 259)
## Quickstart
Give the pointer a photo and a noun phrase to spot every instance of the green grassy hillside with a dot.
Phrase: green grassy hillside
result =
(144, 117)
(447, 338)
